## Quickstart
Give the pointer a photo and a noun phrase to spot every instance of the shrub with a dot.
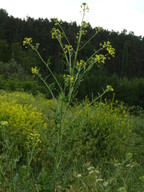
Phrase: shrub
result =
(24, 120)
(98, 131)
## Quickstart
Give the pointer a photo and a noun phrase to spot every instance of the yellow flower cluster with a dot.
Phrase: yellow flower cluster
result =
(57, 22)
(34, 71)
(24, 121)
(69, 49)
(100, 58)
(98, 29)
(81, 64)
(56, 33)
(27, 41)
(34, 136)
(109, 88)
(85, 25)
(68, 78)
(84, 7)
(107, 45)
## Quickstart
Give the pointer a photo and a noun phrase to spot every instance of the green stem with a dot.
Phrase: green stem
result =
(46, 66)
(93, 54)
(89, 40)
(65, 55)
(79, 40)
(46, 86)
(63, 32)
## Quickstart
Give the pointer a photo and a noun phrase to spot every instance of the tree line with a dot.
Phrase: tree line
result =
(125, 72)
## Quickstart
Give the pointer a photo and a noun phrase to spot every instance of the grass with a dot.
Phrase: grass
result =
(102, 148)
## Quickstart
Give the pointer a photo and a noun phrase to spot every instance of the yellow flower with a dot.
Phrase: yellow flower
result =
(27, 41)
(81, 64)
(34, 70)
(100, 58)
(68, 48)
(56, 33)
(107, 45)
(109, 88)
(68, 78)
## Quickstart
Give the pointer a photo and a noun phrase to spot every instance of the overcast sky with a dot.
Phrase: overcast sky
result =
(110, 14)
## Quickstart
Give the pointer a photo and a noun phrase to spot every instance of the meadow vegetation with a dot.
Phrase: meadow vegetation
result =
(62, 144)
(101, 148)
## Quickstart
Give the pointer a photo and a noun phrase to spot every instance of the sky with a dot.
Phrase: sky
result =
(114, 15)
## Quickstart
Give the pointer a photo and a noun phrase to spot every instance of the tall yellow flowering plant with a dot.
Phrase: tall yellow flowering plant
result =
(75, 71)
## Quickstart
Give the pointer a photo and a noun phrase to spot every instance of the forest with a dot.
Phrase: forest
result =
(124, 72)
(71, 107)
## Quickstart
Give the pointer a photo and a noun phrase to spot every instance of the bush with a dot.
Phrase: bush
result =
(24, 120)
(23, 139)
(98, 131)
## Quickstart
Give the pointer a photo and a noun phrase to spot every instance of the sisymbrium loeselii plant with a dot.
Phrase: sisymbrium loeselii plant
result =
(75, 70)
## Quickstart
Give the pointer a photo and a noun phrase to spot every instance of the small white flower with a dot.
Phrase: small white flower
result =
(90, 168)
(117, 164)
(79, 175)
(105, 183)
(128, 165)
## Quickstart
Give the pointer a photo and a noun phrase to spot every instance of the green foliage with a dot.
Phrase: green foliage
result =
(95, 141)
(23, 121)
(129, 91)
(137, 138)
(15, 84)
(11, 68)
(4, 50)
(13, 77)
(99, 131)
(92, 178)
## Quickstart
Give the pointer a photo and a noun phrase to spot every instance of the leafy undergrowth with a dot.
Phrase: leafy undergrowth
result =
(102, 146)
